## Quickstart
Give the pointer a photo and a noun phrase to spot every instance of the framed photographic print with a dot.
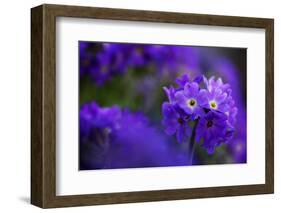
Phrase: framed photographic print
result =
(135, 106)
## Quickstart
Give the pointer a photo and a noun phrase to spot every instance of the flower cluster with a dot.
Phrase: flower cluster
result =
(111, 137)
(201, 107)
(101, 61)
(94, 117)
(96, 126)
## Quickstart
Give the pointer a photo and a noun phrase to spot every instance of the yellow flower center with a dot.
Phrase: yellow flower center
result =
(191, 103)
(213, 105)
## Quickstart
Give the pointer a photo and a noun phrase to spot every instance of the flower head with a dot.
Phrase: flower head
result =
(218, 97)
(102, 61)
(214, 130)
(111, 137)
(175, 122)
(190, 99)
(94, 117)
(213, 84)
(211, 107)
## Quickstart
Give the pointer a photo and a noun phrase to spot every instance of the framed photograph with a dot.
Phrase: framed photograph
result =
(135, 106)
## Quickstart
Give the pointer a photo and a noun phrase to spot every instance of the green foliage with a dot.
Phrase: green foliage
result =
(127, 91)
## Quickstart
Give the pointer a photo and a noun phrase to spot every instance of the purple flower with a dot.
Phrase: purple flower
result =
(115, 138)
(96, 127)
(219, 98)
(85, 58)
(190, 99)
(170, 92)
(232, 113)
(174, 122)
(182, 80)
(138, 143)
(218, 95)
(214, 130)
(213, 84)
(102, 61)
(98, 117)
(209, 110)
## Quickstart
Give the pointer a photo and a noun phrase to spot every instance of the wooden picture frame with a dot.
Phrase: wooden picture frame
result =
(43, 105)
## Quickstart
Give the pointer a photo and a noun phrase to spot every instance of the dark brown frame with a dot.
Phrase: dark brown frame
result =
(43, 105)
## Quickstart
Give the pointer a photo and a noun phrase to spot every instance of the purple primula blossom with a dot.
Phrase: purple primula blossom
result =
(190, 99)
(182, 80)
(138, 143)
(96, 127)
(85, 58)
(217, 100)
(232, 113)
(208, 108)
(213, 84)
(170, 92)
(175, 122)
(111, 137)
(219, 95)
(214, 130)
(101, 117)
(92, 116)
(102, 61)
(108, 62)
